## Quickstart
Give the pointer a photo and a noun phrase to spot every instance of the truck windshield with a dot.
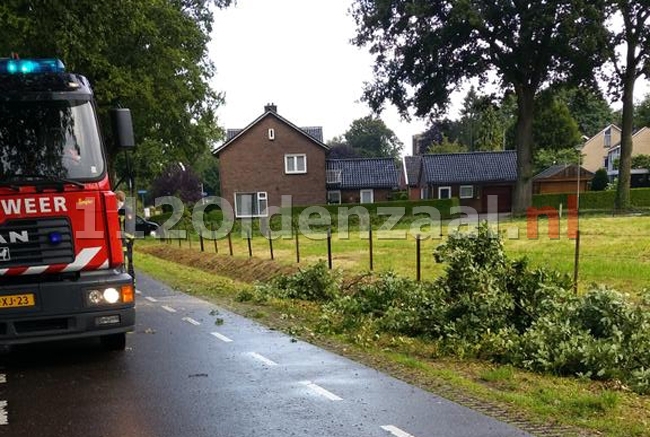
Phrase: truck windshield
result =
(56, 138)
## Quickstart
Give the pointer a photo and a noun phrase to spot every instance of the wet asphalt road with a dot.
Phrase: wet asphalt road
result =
(182, 375)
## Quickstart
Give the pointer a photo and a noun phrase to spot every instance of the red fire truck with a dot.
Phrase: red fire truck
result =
(61, 260)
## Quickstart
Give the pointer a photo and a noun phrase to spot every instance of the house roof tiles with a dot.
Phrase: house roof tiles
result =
(362, 173)
(472, 167)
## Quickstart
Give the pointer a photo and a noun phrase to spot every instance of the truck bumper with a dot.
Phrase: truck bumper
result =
(61, 311)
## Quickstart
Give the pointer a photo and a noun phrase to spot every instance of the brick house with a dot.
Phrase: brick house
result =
(471, 177)
(269, 158)
(362, 180)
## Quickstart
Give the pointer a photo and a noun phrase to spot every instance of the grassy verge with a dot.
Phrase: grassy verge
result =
(542, 404)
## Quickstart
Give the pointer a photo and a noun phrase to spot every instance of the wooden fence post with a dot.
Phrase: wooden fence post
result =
(370, 246)
(417, 258)
(329, 248)
(297, 247)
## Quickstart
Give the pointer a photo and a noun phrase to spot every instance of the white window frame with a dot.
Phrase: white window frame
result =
(331, 192)
(294, 157)
(471, 195)
(260, 196)
(372, 195)
(440, 189)
(607, 138)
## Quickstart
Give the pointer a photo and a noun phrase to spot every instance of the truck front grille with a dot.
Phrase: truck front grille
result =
(36, 242)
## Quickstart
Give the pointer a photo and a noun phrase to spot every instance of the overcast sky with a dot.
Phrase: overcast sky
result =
(297, 54)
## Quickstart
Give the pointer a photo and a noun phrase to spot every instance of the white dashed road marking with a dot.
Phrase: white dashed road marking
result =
(138, 292)
(4, 419)
(168, 309)
(3, 378)
(321, 391)
(150, 299)
(264, 360)
(221, 337)
(191, 321)
(396, 431)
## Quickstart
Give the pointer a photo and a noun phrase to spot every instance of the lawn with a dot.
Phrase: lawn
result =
(614, 251)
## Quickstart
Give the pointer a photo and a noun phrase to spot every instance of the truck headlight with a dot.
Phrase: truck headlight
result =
(110, 295)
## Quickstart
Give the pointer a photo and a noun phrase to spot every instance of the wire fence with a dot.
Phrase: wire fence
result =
(620, 260)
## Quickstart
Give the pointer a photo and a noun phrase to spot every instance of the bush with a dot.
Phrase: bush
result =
(600, 180)
(315, 283)
(487, 306)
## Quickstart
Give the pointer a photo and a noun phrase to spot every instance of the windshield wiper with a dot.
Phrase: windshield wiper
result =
(10, 185)
(41, 181)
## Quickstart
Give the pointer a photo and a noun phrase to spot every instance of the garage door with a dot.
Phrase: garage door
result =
(504, 196)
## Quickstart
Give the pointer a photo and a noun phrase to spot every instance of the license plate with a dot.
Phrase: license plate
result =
(17, 300)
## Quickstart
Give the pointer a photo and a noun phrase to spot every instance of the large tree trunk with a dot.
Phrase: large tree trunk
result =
(524, 138)
(625, 161)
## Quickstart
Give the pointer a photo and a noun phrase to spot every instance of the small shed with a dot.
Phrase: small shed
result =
(562, 178)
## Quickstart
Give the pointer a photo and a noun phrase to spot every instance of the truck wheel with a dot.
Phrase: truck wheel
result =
(114, 342)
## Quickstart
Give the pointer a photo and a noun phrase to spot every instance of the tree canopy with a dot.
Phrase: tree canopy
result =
(368, 137)
(424, 49)
(150, 56)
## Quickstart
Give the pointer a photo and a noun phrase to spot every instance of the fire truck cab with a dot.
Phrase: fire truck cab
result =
(61, 260)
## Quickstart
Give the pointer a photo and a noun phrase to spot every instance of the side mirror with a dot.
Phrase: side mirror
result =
(122, 128)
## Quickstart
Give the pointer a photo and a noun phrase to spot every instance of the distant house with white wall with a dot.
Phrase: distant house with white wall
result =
(640, 146)
(595, 149)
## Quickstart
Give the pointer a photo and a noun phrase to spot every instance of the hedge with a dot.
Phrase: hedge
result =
(443, 206)
(597, 200)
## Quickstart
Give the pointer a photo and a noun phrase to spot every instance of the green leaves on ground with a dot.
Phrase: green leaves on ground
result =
(486, 306)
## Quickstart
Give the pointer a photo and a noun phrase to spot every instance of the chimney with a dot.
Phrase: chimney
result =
(270, 107)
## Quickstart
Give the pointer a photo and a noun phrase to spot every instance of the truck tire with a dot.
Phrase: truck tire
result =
(114, 342)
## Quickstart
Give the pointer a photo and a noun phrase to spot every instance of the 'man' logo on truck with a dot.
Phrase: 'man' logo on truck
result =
(14, 237)
(4, 254)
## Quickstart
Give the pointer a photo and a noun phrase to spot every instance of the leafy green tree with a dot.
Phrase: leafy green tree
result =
(447, 146)
(544, 158)
(600, 180)
(554, 126)
(641, 161)
(634, 36)
(642, 113)
(423, 49)
(370, 137)
(149, 55)
(480, 126)
(588, 107)
(206, 167)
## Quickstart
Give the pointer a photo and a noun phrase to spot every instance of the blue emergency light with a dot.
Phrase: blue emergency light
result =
(31, 66)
